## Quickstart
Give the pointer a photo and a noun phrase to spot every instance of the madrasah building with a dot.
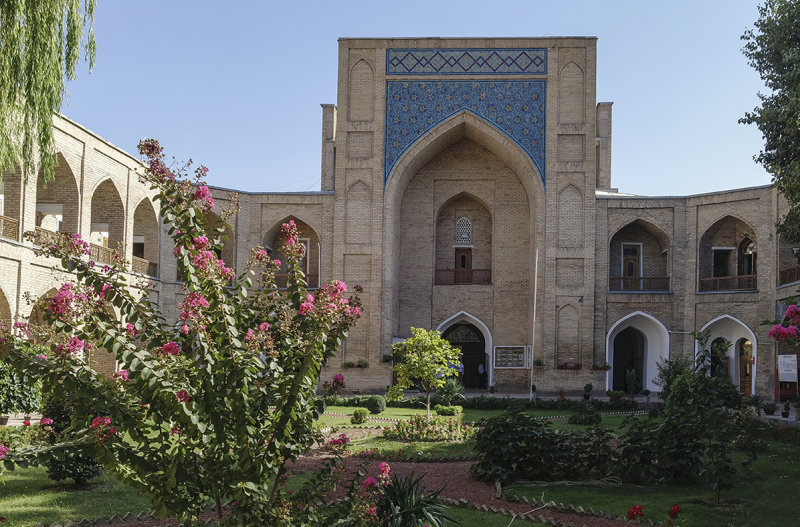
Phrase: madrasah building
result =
(466, 186)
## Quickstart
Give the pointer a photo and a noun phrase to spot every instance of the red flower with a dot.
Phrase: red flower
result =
(673, 511)
(635, 512)
(26, 423)
(182, 396)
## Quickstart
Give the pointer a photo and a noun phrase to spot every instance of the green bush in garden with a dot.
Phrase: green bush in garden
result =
(376, 404)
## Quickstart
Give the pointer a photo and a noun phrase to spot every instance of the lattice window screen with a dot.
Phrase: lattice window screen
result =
(463, 231)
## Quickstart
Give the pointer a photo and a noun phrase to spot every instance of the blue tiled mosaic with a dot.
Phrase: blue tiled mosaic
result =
(466, 61)
(516, 108)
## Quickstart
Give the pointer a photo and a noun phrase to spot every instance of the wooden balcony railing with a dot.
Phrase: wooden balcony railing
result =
(647, 284)
(145, 267)
(312, 280)
(48, 236)
(729, 283)
(790, 275)
(9, 228)
(463, 276)
(100, 254)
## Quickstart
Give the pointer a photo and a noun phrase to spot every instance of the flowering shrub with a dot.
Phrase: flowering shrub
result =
(233, 376)
(418, 428)
(359, 416)
(338, 445)
(335, 386)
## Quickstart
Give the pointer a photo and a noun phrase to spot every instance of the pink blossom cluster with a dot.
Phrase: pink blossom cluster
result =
(182, 396)
(793, 314)
(130, 330)
(73, 346)
(261, 256)
(192, 307)
(203, 195)
(62, 305)
(3, 451)
(171, 348)
(338, 444)
(307, 306)
(205, 260)
(45, 421)
(102, 428)
(79, 245)
(124, 375)
(338, 378)
(782, 334)
(22, 329)
(289, 233)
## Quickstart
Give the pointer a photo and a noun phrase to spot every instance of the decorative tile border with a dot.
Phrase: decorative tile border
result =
(514, 107)
(530, 61)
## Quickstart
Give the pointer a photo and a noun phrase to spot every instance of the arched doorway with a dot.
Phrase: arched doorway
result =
(744, 352)
(738, 356)
(629, 352)
(470, 341)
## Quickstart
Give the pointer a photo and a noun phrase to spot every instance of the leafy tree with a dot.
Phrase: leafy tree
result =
(39, 47)
(773, 49)
(207, 410)
(425, 359)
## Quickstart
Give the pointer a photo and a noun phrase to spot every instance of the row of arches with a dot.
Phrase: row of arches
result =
(640, 259)
(639, 341)
(59, 208)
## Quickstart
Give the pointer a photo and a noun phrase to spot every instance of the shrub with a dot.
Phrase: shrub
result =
(515, 445)
(668, 371)
(405, 502)
(448, 410)
(586, 414)
(334, 386)
(451, 391)
(376, 404)
(75, 462)
(18, 391)
(359, 416)
(418, 428)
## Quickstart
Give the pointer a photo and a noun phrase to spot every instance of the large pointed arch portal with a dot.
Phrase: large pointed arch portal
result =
(516, 108)
(462, 318)
(742, 352)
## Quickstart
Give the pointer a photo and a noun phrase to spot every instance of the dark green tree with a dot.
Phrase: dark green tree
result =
(773, 49)
(40, 44)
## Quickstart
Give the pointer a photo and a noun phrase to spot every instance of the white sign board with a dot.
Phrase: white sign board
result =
(787, 368)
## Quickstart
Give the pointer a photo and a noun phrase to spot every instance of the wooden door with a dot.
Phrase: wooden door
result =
(463, 273)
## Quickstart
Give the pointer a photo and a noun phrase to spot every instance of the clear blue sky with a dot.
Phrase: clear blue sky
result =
(238, 85)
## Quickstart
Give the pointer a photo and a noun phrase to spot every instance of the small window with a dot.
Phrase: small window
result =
(463, 231)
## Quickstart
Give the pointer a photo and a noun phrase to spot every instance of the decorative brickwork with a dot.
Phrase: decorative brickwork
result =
(466, 61)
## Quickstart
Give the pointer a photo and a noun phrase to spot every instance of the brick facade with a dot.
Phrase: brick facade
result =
(507, 135)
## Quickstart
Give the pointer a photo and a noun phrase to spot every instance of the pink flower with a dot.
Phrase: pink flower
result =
(339, 378)
(41, 357)
(184, 329)
(3, 451)
(46, 421)
(182, 396)
(203, 195)
(384, 467)
(276, 262)
(373, 511)
(264, 326)
(122, 374)
(306, 308)
(171, 348)
(369, 482)
(130, 329)
(793, 314)
(26, 423)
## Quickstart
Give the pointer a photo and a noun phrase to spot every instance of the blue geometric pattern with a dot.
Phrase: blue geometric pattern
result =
(466, 61)
(516, 108)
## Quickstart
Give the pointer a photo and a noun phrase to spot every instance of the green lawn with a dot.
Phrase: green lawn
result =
(28, 497)
(769, 499)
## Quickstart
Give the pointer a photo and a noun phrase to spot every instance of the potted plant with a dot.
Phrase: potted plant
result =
(770, 407)
(785, 412)
(587, 391)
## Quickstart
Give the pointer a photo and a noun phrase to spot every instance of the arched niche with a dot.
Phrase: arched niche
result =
(145, 238)
(639, 258)
(463, 241)
(107, 218)
(58, 201)
(724, 257)
(307, 236)
(654, 348)
(467, 319)
(361, 95)
(358, 224)
(742, 349)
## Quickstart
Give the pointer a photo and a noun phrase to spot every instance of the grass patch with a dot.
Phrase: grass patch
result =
(763, 501)
(29, 497)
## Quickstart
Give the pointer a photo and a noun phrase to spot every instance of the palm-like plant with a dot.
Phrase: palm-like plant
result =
(452, 391)
(405, 503)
